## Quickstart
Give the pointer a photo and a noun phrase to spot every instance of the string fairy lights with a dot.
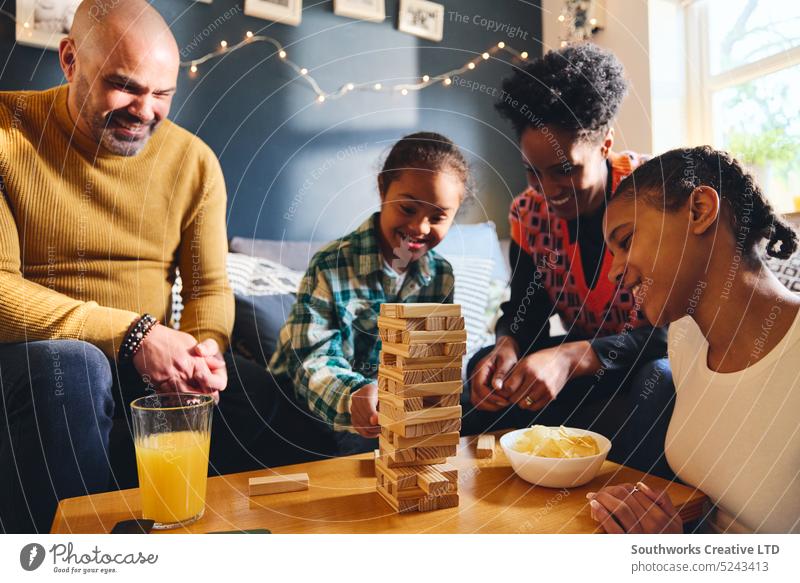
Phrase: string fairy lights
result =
(445, 79)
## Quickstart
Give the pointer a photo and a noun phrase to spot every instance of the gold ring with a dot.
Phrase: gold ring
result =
(528, 401)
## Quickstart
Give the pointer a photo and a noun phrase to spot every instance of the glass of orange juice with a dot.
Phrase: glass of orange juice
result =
(172, 433)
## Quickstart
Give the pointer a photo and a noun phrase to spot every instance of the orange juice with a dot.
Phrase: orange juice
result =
(173, 470)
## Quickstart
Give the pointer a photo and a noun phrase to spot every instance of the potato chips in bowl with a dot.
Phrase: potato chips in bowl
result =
(555, 457)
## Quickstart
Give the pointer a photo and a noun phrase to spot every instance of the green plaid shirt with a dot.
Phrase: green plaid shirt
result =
(329, 346)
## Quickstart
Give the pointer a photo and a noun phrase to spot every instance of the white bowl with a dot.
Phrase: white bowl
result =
(555, 472)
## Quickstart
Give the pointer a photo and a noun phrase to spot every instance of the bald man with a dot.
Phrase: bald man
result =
(102, 198)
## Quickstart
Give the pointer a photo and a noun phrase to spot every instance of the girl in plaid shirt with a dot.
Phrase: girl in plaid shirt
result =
(328, 349)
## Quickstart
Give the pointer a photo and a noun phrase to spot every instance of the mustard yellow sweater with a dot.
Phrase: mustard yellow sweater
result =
(90, 240)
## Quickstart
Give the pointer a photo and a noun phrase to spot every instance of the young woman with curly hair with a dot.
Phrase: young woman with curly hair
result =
(563, 107)
(691, 222)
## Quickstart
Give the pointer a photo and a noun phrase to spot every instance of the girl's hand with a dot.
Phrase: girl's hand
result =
(634, 509)
(364, 411)
(490, 374)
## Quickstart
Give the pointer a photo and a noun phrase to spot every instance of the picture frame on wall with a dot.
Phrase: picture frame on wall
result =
(374, 10)
(43, 23)
(283, 11)
(422, 18)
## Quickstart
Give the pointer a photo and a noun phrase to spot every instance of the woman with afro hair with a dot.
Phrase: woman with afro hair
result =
(609, 373)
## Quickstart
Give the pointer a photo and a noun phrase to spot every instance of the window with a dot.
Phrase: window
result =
(743, 92)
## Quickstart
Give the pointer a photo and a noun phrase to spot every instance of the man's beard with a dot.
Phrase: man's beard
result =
(102, 127)
(105, 125)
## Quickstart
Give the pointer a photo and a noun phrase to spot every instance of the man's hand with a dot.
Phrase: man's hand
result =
(174, 361)
(490, 373)
(209, 349)
(364, 411)
(538, 378)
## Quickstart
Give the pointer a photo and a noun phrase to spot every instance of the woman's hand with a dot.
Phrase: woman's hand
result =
(634, 509)
(538, 378)
(364, 411)
(490, 373)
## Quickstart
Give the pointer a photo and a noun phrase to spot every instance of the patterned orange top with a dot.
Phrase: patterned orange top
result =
(598, 311)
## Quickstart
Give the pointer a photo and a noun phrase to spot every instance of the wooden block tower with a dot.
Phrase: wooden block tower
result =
(419, 383)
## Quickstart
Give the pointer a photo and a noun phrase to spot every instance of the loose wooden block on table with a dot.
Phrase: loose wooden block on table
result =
(484, 447)
(278, 484)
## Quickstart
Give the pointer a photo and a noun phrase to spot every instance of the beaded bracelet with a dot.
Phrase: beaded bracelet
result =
(135, 336)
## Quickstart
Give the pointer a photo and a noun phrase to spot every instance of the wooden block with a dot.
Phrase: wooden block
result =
(435, 440)
(387, 323)
(396, 416)
(397, 368)
(423, 453)
(420, 310)
(389, 310)
(428, 389)
(441, 400)
(398, 505)
(446, 501)
(432, 337)
(418, 429)
(416, 377)
(415, 351)
(393, 463)
(391, 336)
(434, 453)
(278, 484)
(455, 323)
(403, 477)
(402, 404)
(448, 470)
(432, 482)
(394, 456)
(433, 323)
(414, 493)
(485, 446)
(455, 349)
(404, 363)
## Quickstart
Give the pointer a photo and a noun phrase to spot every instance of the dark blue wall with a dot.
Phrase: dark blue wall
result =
(296, 169)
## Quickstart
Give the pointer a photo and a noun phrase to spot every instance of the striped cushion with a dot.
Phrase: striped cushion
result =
(473, 276)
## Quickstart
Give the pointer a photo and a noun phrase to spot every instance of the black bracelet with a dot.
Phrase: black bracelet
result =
(135, 336)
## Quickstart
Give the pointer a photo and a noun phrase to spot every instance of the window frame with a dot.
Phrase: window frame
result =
(701, 84)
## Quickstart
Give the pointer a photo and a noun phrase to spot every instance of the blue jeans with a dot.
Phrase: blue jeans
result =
(65, 426)
(632, 408)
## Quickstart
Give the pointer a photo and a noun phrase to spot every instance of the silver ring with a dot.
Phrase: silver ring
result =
(528, 401)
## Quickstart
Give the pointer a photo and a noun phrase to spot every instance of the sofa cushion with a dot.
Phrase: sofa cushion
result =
(257, 276)
(787, 271)
(293, 254)
(478, 240)
(258, 323)
(473, 276)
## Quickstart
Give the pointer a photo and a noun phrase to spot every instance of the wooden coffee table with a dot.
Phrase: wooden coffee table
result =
(342, 499)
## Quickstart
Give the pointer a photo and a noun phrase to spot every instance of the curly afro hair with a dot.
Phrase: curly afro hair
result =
(579, 87)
